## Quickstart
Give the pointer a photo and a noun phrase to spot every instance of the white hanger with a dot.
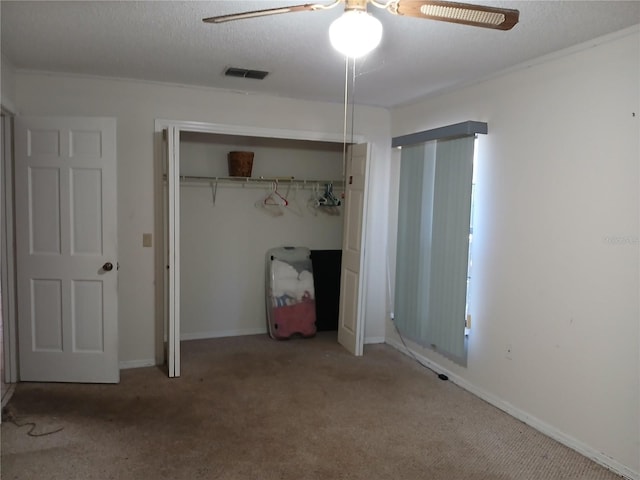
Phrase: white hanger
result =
(272, 202)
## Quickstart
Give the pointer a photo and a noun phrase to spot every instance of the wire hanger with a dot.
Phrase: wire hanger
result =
(214, 191)
(272, 202)
(328, 199)
(274, 197)
(325, 202)
(292, 199)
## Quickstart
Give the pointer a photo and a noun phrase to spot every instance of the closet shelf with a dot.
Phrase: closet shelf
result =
(242, 181)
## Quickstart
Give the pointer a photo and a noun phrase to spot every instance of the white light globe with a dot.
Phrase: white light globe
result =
(355, 33)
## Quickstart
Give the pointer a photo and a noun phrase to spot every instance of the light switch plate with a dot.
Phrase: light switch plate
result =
(146, 239)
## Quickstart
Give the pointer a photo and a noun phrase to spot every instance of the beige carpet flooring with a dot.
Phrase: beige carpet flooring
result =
(254, 408)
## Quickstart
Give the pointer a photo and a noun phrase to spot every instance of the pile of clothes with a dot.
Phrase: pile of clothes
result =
(290, 286)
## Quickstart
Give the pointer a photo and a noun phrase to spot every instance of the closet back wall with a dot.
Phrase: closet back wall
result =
(223, 245)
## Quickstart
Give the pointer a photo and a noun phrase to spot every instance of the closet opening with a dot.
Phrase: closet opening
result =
(223, 226)
(226, 228)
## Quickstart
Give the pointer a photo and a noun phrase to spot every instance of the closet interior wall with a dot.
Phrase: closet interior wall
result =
(224, 235)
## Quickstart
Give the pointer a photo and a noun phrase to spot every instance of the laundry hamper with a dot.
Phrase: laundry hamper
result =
(290, 293)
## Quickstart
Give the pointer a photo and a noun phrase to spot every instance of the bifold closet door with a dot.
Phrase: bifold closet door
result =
(350, 321)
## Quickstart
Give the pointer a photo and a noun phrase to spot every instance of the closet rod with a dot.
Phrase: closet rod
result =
(258, 180)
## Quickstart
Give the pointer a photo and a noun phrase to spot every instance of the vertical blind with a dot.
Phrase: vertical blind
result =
(434, 215)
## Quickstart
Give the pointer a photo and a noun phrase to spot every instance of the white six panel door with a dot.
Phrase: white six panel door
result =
(66, 249)
(350, 322)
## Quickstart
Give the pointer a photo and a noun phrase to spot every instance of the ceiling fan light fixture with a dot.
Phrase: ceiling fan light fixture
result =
(355, 33)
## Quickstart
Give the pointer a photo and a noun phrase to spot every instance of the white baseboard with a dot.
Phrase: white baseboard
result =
(251, 331)
(8, 393)
(370, 340)
(149, 362)
(523, 416)
(223, 333)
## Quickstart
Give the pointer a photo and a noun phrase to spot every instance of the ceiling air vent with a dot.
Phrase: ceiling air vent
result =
(244, 73)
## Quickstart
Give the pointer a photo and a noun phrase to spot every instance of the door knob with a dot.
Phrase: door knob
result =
(107, 267)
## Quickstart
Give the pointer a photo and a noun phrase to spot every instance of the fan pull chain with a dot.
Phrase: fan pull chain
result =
(353, 97)
(346, 106)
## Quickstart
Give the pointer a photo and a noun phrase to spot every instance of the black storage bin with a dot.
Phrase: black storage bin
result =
(326, 279)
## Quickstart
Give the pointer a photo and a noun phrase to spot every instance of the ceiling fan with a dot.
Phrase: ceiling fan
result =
(356, 32)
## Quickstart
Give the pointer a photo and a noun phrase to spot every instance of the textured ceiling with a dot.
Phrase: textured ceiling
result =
(167, 41)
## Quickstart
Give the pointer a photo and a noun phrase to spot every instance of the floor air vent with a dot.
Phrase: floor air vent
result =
(244, 73)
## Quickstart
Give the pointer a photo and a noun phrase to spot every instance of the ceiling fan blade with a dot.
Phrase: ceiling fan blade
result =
(268, 11)
(454, 12)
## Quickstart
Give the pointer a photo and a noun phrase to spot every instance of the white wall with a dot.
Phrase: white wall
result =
(136, 105)
(223, 246)
(556, 244)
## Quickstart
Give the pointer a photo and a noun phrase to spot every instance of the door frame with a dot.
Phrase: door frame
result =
(8, 279)
(169, 321)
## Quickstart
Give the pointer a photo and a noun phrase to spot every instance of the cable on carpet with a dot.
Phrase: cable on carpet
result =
(9, 417)
(441, 376)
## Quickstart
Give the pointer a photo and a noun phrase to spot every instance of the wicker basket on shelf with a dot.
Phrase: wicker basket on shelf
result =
(240, 164)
